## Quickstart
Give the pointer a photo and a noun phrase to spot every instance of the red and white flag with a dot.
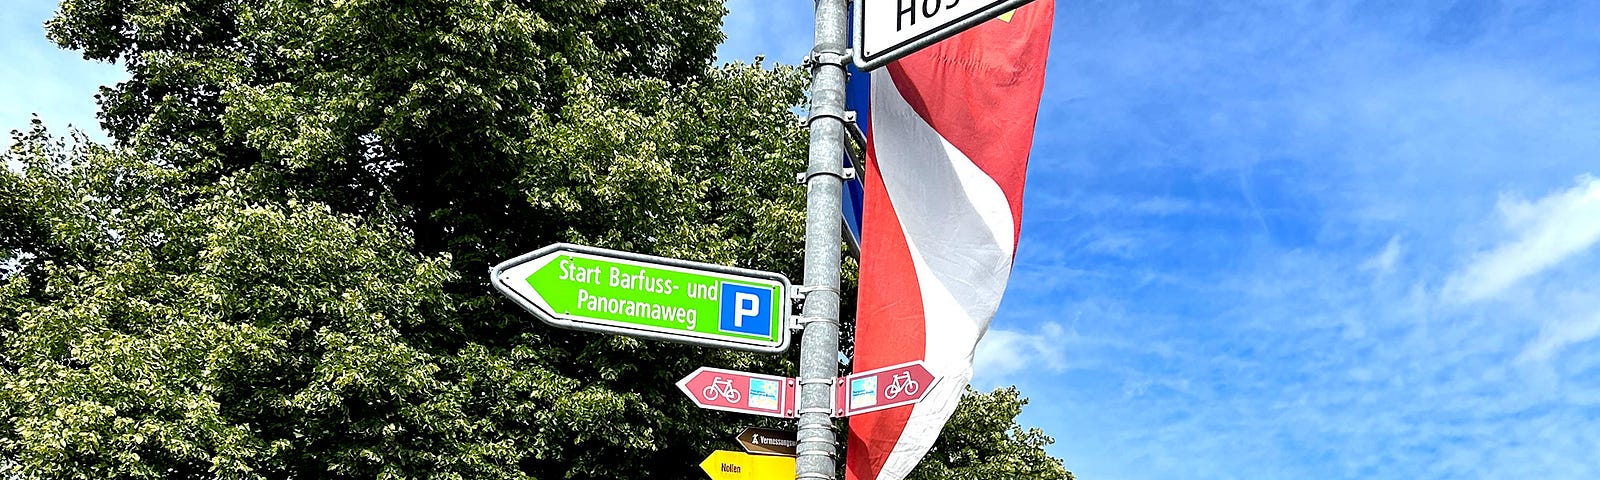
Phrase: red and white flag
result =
(949, 131)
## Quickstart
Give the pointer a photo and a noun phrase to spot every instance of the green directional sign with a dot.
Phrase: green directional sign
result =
(609, 291)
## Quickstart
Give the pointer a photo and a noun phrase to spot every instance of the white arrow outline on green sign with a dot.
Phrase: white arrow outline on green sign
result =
(512, 278)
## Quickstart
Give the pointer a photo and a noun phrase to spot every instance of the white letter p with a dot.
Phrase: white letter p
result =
(744, 305)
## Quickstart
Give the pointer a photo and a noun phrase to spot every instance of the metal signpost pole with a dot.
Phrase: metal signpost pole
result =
(818, 448)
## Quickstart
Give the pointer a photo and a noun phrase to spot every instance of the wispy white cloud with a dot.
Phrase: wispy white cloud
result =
(1559, 334)
(1163, 206)
(1543, 233)
(1385, 260)
(1002, 353)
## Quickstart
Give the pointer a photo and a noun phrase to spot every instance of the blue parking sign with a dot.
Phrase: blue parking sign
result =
(746, 310)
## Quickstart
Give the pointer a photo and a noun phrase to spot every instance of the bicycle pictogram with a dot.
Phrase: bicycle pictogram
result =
(902, 383)
(723, 387)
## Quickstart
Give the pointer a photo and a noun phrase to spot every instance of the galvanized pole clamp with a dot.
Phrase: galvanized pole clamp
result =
(821, 56)
(802, 292)
(805, 177)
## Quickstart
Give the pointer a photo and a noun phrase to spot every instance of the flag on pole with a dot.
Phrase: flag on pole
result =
(949, 131)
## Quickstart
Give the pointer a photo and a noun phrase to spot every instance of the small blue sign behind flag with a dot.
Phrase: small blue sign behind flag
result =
(858, 98)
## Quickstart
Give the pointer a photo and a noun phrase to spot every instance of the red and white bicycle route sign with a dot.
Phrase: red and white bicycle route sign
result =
(882, 388)
(743, 392)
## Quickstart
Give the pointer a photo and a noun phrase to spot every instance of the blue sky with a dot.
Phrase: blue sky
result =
(1261, 239)
(38, 78)
(1303, 239)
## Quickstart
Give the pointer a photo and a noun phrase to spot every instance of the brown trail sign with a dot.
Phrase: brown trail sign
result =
(764, 441)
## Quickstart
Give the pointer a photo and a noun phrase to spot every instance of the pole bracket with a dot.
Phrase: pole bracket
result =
(821, 112)
(803, 291)
(833, 445)
(807, 289)
(801, 321)
(854, 128)
(848, 173)
(813, 381)
(819, 57)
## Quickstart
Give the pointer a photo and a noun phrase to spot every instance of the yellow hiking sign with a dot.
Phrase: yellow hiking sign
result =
(729, 465)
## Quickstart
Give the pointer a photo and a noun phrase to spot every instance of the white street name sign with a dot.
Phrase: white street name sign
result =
(886, 30)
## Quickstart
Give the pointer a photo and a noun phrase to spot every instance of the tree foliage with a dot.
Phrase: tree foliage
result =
(983, 441)
(277, 269)
(228, 338)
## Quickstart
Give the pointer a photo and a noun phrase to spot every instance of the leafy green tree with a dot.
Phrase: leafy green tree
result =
(277, 270)
(983, 441)
(229, 338)
(484, 129)
(541, 403)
